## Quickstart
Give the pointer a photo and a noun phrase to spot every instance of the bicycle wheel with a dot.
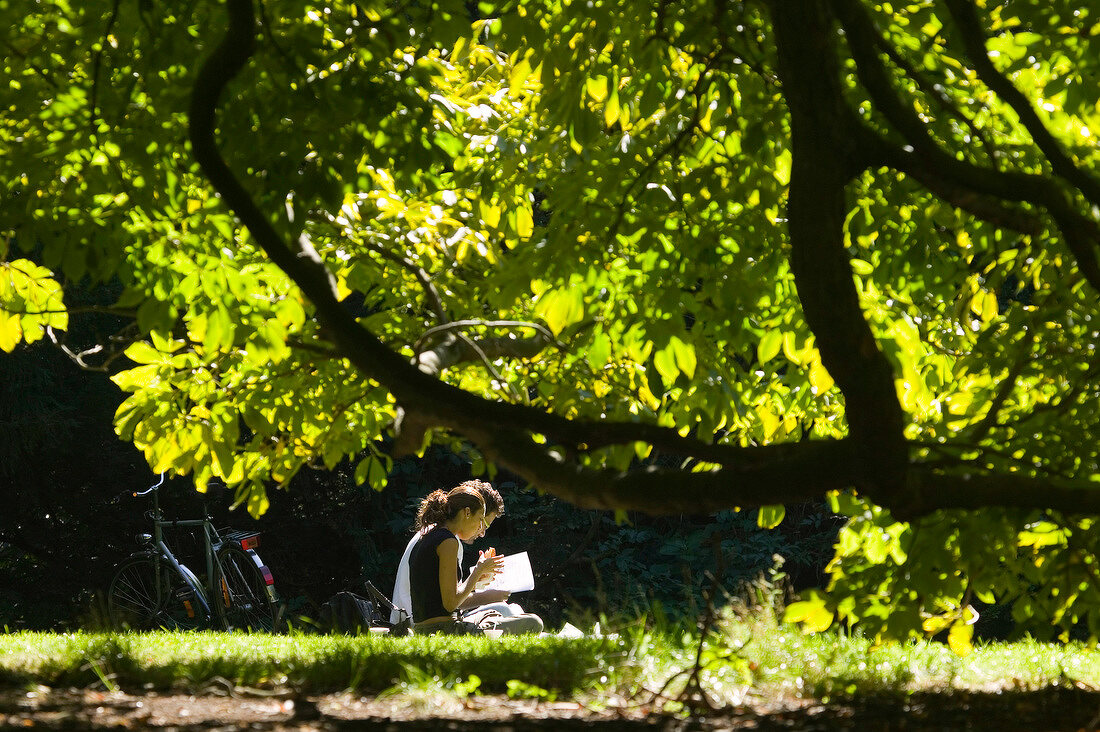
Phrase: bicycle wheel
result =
(247, 601)
(132, 602)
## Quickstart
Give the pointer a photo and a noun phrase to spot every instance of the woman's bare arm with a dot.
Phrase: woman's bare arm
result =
(451, 590)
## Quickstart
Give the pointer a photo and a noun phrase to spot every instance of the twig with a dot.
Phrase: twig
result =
(421, 275)
(435, 330)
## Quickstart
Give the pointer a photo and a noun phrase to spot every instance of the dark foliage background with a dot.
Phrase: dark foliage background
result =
(67, 516)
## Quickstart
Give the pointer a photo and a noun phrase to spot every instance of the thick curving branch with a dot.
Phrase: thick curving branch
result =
(969, 26)
(991, 209)
(512, 435)
(429, 402)
(975, 187)
(806, 472)
(973, 491)
(823, 162)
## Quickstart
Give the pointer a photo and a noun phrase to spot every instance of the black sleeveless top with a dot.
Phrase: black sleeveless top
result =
(427, 597)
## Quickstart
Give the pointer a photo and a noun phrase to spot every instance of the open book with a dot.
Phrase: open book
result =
(515, 575)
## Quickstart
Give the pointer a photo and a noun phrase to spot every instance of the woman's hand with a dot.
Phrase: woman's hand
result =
(488, 566)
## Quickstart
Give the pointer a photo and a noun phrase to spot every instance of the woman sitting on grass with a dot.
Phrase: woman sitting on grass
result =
(434, 573)
(480, 601)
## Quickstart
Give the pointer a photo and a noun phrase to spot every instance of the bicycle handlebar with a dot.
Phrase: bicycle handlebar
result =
(151, 488)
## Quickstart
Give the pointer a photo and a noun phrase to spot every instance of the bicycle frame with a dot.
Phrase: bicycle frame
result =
(237, 591)
(160, 551)
(212, 544)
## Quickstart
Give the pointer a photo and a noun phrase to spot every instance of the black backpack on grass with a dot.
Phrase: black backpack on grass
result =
(347, 612)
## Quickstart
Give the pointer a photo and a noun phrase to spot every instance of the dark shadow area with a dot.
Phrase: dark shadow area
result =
(1046, 709)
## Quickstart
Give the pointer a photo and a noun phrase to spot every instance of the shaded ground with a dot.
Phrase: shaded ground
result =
(43, 708)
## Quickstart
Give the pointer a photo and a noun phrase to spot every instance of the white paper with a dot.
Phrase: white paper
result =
(570, 631)
(515, 574)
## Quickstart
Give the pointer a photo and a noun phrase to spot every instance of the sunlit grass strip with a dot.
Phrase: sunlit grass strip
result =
(365, 663)
(785, 660)
(742, 657)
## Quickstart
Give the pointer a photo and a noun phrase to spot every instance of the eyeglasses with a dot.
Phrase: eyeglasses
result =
(484, 524)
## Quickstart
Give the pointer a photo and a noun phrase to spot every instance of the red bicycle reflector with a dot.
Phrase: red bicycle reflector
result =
(269, 579)
(250, 543)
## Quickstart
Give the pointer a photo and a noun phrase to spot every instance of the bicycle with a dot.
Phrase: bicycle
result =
(153, 589)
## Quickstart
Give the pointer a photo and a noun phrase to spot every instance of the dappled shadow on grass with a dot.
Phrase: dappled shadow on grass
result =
(1051, 708)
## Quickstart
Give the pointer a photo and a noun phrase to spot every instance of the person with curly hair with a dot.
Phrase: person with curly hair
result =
(492, 599)
(437, 592)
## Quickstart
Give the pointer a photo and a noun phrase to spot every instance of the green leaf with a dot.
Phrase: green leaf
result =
(820, 379)
(155, 315)
(811, 614)
(490, 213)
(560, 308)
(219, 330)
(961, 639)
(596, 86)
(520, 71)
(685, 356)
(862, 268)
(144, 353)
(257, 500)
(611, 108)
(790, 348)
(223, 457)
(11, 333)
(525, 225)
(1043, 534)
(989, 306)
(599, 353)
(769, 345)
(362, 470)
(371, 470)
(936, 624)
(142, 377)
(665, 361)
(289, 313)
(770, 516)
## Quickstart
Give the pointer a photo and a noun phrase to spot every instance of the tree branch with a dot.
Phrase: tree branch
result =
(938, 94)
(969, 27)
(806, 471)
(873, 458)
(823, 162)
(434, 299)
(462, 349)
(118, 345)
(973, 491)
(427, 401)
(930, 175)
(944, 174)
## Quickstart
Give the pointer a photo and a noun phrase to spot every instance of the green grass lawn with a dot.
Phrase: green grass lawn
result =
(742, 657)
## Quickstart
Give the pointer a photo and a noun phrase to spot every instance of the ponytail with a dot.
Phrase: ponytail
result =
(440, 507)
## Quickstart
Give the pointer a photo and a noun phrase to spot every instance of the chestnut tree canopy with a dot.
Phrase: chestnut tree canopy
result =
(667, 256)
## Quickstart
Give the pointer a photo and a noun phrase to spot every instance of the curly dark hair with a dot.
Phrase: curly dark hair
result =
(493, 502)
(440, 507)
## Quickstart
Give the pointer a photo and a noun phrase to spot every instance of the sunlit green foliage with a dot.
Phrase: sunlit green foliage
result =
(665, 235)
